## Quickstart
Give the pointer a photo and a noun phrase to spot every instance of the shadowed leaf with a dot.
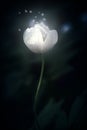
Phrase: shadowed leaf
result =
(52, 112)
(76, 109)
(61, 120)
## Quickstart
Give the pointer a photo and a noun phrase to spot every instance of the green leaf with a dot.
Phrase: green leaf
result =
(61, 120)
(77, 106)
(51, 112)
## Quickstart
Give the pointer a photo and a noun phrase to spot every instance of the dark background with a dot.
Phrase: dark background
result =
(64, 82)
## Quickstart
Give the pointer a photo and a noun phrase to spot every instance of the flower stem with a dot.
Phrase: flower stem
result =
(37, 91)
(40, 80)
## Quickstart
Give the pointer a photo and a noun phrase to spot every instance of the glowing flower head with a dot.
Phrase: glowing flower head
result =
(40, 38)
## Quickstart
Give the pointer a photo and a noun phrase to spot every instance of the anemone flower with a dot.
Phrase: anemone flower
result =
(40, 39)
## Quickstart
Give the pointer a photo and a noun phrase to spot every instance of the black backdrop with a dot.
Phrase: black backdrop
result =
(64, 78)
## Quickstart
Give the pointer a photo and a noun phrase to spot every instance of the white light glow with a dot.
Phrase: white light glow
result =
(19, 29)
(19, 12)
(30, 11)
(42, 14)
(26, 11)
(66, 28)
(35, 17)
(44, 19)
(39, 12)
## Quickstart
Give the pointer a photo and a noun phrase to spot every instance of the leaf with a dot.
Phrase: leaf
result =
(76, 109)
(62, 71)
(50, 111)
(61, 121)
(82, 118)
(81, 121)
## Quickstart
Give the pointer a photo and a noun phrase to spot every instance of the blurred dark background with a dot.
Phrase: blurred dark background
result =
(65, 66)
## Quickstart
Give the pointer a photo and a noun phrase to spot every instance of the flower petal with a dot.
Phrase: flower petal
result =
(33, 39)
(51, 40)
(39, 38)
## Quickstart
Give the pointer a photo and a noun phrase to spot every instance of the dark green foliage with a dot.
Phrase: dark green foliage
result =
(76, 109)
(53, 116)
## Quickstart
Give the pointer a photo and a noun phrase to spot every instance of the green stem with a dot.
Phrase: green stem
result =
(39, 83)
(36, 94)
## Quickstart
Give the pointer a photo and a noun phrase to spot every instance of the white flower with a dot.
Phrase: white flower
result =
(40, 38)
